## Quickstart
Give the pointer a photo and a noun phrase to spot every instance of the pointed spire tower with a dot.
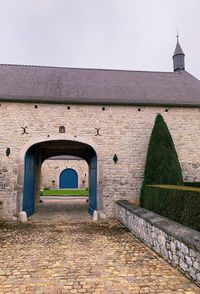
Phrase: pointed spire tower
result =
(178, 57)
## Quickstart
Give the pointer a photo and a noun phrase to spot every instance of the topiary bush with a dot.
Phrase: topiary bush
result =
(178, 203)
(162, 164)
(192, 184)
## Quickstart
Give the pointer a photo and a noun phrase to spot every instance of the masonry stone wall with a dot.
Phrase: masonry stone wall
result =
(123, 130)
(51, 170)
(178, 244)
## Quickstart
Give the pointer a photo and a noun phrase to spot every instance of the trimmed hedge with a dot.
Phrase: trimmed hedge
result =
(192, 184)
(162, 165)
(178, 203)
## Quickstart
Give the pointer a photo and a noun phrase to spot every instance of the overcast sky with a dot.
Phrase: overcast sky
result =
(116, 34)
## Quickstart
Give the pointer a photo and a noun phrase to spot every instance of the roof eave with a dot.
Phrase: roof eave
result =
(178, 54)
(103, 102)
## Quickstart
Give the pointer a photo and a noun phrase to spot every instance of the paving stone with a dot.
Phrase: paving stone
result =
(62, 250)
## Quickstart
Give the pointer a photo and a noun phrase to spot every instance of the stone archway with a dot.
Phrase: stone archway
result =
(30, 166)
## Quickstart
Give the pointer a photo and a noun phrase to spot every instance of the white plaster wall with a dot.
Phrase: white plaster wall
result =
(124, 130)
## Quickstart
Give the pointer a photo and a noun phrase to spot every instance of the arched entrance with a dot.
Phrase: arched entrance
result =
(37, 153)
(68, 179)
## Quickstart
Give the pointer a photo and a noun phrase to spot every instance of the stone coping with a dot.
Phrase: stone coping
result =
(182, 233)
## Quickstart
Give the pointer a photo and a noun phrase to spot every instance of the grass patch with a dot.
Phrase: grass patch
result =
(62, 192)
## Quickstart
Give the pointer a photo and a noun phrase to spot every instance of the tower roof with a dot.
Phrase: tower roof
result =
(178, 50)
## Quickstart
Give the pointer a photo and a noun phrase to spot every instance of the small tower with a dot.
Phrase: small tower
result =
(178, 57)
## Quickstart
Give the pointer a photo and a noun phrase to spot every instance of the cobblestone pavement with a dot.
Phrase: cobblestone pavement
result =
(61, 250)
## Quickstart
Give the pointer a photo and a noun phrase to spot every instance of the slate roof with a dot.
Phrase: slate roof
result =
(97, 86)
(178, 50)
(65, 157)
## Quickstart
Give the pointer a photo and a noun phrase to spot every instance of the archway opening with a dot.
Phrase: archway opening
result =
(39, 152)
(60, 173)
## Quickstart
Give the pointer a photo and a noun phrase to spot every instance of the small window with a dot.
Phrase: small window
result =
(61, 129)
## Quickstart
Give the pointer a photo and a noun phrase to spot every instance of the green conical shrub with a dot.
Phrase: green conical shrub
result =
(162, 165)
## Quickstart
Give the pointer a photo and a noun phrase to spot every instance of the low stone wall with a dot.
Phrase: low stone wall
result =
(178, 244)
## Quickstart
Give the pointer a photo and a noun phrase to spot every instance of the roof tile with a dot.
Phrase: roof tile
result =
(96, 86)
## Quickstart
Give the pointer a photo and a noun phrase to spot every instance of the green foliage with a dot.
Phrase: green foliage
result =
(162, 165)
(43, 191)
(178, 203)
(46, 189)
(192, 184)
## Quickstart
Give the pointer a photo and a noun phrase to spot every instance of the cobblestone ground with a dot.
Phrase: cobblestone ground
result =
(61, 250)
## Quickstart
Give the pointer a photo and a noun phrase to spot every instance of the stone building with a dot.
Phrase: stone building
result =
(53, 168)
(102, 116)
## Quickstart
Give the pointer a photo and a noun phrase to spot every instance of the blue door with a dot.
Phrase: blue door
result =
(68, 179)
(92, 183)
(29, 182)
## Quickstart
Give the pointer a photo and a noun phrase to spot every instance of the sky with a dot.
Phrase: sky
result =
(113, 34)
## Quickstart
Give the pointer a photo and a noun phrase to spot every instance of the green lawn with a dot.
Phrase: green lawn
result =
(61, 192)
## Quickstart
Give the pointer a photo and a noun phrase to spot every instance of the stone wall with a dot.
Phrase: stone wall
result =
(51, 170)
(123, 130)
(178, 244)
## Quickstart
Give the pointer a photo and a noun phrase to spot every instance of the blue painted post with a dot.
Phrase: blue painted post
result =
(92, 184)
(29, 181)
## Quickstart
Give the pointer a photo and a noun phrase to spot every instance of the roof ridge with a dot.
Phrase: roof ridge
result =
(82, 68)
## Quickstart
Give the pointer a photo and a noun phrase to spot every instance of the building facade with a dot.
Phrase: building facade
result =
(52, 169)
(102, 116)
